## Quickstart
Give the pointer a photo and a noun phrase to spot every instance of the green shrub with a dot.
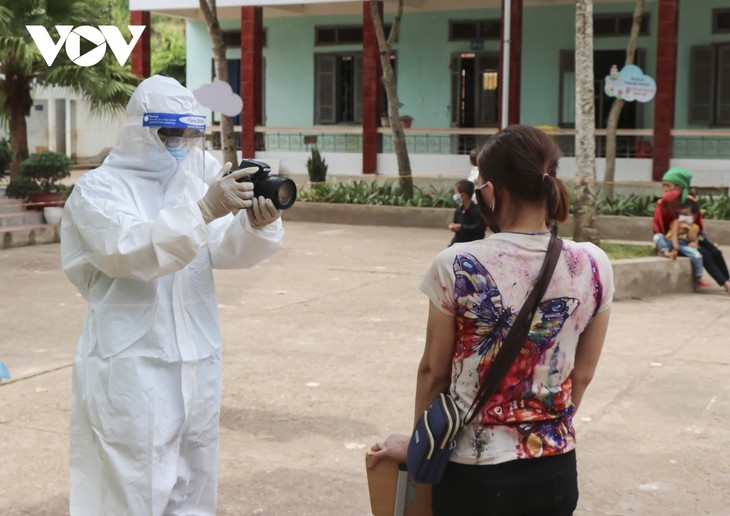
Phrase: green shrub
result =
(21, 188)
(631, 205)
(40, 173)
(317, 167)
(715, 207)
(386, 193)
(47, 168)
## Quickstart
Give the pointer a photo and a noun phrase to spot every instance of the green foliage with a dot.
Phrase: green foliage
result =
(40, 173)
(386, 193)
(632, 205)
(6, 155)
(21, 188)
(168, 47)
(317, 167)
(715, 207)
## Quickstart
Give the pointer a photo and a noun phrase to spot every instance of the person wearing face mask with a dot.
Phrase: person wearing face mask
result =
(676, 184)
(518, 454)
(140, 237)
(467, 224)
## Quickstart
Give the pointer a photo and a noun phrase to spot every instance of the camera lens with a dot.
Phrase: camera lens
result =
(286, 194)
(281, 190)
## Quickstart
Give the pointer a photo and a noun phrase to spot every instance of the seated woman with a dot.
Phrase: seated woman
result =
(676, 187)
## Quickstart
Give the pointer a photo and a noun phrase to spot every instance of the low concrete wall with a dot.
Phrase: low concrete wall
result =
(370, 215)
(634, 278)
(638, 229)
(637, 278)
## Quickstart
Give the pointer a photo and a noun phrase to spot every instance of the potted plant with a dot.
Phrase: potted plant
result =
(317, 167)
(406, 121)
(38, 182)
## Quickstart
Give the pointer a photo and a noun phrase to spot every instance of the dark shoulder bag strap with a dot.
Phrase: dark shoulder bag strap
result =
(518, 333)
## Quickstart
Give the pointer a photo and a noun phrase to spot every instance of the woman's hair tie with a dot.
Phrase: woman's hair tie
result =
(545, 177)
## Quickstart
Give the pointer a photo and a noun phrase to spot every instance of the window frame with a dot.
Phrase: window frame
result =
(645, 29)
(715, 19)
(478, 27)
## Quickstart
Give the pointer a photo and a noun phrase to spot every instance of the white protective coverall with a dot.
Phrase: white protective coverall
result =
(147, 369)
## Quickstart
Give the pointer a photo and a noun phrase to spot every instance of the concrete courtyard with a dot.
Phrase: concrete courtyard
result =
(321, 347)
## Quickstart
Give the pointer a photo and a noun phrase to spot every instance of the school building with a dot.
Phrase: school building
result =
(308, 70)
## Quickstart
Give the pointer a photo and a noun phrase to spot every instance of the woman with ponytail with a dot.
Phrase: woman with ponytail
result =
(517, 456)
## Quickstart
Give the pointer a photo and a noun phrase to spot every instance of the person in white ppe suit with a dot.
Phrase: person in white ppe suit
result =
(140, 236)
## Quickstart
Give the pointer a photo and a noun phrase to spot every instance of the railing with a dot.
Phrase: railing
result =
(630, 143)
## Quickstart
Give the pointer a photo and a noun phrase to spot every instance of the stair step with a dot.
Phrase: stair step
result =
(29, 234)
(11, 205)
(20, 218)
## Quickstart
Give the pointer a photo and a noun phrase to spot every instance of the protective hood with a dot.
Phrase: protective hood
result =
(138, 149)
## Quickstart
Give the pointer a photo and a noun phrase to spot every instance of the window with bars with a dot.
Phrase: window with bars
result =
(467, 30)
(709, 89)
(721, 21)
(618, 24)
(232, 38)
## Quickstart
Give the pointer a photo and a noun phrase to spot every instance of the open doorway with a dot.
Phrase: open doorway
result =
(474, 94)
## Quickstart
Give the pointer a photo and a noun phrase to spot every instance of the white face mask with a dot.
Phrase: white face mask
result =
(457, 197)
(177, 146)
(688, 219)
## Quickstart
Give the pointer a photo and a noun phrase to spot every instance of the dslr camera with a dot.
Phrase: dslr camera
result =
(281, 190)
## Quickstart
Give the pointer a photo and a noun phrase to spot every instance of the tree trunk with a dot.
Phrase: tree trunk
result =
(228, 137)
(618, 105)
(585, 124)
(18, 103)
(391, 92)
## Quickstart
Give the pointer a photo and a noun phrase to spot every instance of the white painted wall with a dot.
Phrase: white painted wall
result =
(62, 121)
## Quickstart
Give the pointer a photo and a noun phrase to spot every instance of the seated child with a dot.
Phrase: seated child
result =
(684, 225)
(682, 239)
(468, 223)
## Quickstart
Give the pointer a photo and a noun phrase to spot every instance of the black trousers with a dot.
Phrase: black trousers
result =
(546, 486)
(713, 261)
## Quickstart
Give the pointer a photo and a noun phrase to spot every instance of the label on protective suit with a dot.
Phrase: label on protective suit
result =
(177, 121)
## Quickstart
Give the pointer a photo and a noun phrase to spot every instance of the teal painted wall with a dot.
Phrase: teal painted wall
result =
(426, 53)
(695, 28)
(547, 31)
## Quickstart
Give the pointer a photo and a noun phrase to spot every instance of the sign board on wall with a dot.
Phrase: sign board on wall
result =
(629, 84)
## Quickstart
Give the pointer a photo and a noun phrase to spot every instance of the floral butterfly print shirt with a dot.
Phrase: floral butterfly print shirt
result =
(484, 284)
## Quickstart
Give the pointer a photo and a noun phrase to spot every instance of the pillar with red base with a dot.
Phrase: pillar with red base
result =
(371, 73)
(252, 37)
(666, 78)
(141, 52)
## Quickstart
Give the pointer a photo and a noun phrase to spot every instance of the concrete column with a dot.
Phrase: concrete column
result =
(666, 77)
(141, 52)
(69, 128)
(252, 35)
(515, 60)
(51, 124)
(371, 73)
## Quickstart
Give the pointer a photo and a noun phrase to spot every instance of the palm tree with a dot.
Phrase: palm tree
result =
(107, 85)
(585, 127)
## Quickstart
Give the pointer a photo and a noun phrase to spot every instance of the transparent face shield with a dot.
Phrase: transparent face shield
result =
(182, 143)
(182, 137)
